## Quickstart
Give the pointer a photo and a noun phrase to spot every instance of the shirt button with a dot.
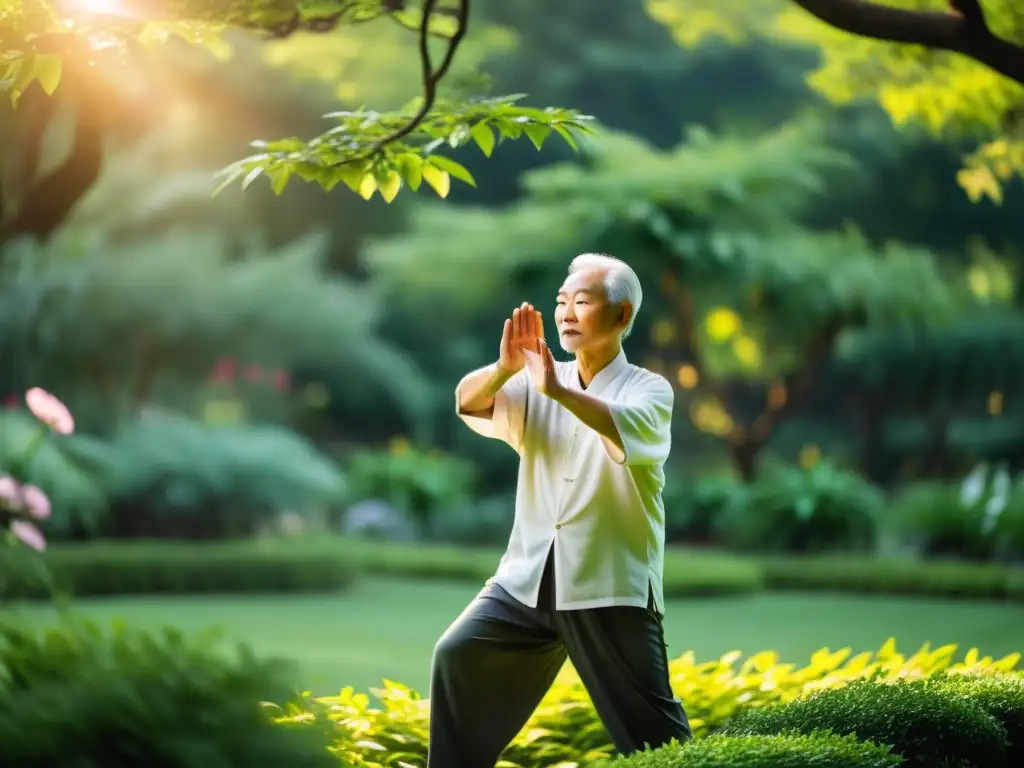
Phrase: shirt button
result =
(558, 526)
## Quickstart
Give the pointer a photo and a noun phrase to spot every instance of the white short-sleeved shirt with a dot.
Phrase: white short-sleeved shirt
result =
(605, 520)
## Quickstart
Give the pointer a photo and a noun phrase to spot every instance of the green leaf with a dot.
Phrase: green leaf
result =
(48, 68)
(537, 133)
(452, 168)
(251, 177)
(410, 165)
(367, 186)
(439, 180)
(389, 183)
(562, 131)
(279, 178)
(352, 175)
(484, 138)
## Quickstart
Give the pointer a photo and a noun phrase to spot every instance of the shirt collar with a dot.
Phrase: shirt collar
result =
(606, 375)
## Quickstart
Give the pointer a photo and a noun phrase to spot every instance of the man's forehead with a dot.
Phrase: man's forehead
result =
(584, 280)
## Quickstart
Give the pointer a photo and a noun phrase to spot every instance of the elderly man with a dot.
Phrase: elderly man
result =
(582, 575)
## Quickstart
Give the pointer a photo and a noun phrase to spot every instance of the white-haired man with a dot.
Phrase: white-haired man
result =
(582, 575)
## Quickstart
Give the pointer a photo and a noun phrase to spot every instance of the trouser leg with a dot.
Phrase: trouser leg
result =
(619, 654)
(491, 669)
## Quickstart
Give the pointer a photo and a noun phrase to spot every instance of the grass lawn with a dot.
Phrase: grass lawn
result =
(387, 628)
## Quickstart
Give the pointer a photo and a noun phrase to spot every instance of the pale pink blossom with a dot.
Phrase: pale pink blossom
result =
(36, 502)
(225, 370)
(10, 493)
(49, 410)
(28, 534)
(253, 373)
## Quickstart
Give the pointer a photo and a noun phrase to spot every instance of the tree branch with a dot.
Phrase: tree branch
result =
(431, 77)
(962, 30)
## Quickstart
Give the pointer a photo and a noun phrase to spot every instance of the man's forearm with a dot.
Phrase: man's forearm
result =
(476, 392)
(595, 413)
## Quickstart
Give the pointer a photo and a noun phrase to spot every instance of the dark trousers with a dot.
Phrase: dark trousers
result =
(494, 664)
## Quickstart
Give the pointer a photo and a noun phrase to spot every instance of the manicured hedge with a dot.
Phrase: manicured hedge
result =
(687, 573)
(926, 724)
(1002, 697)
(789, 751)
(151, 567)
(331, 562)
(895, 576)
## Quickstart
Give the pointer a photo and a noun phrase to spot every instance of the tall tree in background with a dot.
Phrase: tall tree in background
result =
(749, 304)
(955, 66)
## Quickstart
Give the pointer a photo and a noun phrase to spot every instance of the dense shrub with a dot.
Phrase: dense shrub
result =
(980, 518)
(172, 477)
(791, 751)
(694, 507)
(161, 567)
(77, 696)
(1002, 696)
(422, 484)
(790, 509)
(930, 727)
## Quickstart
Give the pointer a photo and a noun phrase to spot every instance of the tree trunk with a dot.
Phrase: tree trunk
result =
(744, 455)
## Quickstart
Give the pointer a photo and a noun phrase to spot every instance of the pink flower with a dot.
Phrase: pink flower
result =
(49, 410)
(282, 382)
(224, 370)
(29, 535)
(36, 502)
(253, 373)
(10, 493)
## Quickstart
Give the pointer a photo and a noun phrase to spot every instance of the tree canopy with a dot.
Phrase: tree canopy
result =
(953, 66)
(53, 46)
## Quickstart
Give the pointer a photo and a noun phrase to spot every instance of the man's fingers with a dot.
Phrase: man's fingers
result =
(539, 322)
(506, 338)
(517, 323)
(529, 329)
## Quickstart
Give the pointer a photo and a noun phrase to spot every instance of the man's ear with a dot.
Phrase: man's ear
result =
(625, 313)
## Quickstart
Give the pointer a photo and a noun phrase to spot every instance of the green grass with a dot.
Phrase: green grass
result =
(387, 627)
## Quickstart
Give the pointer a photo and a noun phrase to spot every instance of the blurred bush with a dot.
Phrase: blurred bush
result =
(792, 509)
(485, 521)
(694, 507)
(174, 477)
(424, 485)
(979, 518)
(161, 567)
(77, 696)
(68, 470)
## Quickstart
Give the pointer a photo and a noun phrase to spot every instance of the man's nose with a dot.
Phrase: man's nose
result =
(570, 313)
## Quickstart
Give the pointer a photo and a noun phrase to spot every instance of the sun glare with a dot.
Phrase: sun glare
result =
(98, 8)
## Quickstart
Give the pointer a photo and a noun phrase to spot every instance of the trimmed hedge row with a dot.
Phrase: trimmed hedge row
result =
(164, 567)
(895, 576)
(331, 563)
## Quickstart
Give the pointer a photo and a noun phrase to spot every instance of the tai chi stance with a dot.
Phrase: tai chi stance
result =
(582, 575)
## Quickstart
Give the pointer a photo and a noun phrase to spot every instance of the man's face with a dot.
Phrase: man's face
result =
(583, 316)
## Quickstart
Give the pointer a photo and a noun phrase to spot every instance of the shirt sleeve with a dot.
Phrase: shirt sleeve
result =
(507, 421)
(643, 417)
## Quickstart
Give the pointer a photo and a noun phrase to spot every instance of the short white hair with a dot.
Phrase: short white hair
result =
(620, 281)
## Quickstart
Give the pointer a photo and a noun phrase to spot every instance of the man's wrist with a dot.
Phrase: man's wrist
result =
(556, 391)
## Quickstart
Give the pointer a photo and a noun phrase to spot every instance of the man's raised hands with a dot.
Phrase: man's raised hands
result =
(520, 334)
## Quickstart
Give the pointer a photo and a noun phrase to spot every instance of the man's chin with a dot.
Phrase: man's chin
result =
(569, 343)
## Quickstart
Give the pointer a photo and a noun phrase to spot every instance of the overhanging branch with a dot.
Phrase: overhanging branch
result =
(961, 30)
(431, 77)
